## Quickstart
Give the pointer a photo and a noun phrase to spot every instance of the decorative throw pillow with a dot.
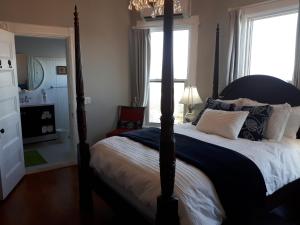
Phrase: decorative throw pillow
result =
(216, 105)
(293, 124)
(223, 123)
(278, 120)
(255, 124)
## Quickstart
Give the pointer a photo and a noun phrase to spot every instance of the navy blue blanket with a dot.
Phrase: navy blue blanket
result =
(238, 181)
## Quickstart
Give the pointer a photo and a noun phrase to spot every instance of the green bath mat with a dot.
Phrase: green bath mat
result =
(33, 158)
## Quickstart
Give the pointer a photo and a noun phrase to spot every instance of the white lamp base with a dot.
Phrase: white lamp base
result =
(189, 117)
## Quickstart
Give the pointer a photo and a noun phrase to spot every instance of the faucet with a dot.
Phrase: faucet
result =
(44, 95)
(27, 99)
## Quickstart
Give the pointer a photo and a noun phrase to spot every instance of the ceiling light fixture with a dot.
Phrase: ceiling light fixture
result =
(157, 6)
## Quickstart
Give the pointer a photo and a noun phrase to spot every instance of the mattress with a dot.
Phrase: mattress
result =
(132, 169)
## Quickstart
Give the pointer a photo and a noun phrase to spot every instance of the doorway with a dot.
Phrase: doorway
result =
(46, 80)
(44, 102)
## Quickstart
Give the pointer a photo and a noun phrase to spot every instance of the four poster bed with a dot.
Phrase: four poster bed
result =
(128, 172)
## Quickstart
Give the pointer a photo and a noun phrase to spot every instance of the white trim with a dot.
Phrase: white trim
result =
(258, 11)
(67, 33)
(193, 20)
(270, 8)
(31, 30)
(192, 23)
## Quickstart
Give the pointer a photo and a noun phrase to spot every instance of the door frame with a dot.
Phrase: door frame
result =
(67, 33)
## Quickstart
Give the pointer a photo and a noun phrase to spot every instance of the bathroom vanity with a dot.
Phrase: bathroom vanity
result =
(38, 123)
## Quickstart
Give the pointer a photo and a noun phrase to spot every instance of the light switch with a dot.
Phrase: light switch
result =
(87, 100)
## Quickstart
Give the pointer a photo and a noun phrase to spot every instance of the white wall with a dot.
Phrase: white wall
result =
(104, 40)
(56, 87)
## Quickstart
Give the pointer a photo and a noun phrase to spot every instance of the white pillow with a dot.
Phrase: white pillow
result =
(223, 123)
(278, 120)
(295, 143)
(293, 124)
(250, 102)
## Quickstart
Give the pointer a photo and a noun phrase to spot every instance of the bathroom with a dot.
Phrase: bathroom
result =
(44, 103)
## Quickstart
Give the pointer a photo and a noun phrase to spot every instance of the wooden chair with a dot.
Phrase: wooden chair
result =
(130, 118)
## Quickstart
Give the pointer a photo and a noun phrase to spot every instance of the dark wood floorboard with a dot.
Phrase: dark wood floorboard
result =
(51, 198)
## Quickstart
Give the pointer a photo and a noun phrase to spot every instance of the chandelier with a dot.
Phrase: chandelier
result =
(157, 6)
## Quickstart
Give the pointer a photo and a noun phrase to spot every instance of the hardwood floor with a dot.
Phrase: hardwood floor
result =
(51, 198)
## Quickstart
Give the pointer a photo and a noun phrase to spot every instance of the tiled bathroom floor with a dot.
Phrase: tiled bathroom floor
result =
(56, 153)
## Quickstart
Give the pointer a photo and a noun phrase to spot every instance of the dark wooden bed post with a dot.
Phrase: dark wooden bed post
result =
(215, 94)
(167, 204)
(83, 148)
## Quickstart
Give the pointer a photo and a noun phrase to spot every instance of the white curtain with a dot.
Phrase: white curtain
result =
(139, 43)
(234, 51)
(297, 57)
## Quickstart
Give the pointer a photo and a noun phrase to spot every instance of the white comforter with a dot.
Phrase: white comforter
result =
(133, 170)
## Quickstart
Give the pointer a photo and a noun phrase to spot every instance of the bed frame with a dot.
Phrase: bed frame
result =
(260, 88)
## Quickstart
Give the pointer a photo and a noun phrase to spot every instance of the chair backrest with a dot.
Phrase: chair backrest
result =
(131, 117)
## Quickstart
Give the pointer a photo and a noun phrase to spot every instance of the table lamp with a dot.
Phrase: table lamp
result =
(190, 98)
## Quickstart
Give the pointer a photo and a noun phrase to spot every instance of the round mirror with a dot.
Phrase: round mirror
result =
(35, 74)
(30, 72)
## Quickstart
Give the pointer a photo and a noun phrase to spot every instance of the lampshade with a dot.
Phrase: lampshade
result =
(190, 96)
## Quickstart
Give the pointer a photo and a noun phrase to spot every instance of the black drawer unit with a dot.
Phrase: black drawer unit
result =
(38, 123)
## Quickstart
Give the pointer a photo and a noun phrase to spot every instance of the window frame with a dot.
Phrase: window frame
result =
(147, 111)
(257, 12)
(192, 25)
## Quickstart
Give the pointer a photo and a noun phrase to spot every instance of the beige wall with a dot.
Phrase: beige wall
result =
(206, 9)
(104, 39)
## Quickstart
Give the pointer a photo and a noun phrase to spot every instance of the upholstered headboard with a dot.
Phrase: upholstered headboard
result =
(263, 88)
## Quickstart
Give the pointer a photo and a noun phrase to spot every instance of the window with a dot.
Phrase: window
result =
(273, 46)
(271, 41)
(181, 56)
(185, 64)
